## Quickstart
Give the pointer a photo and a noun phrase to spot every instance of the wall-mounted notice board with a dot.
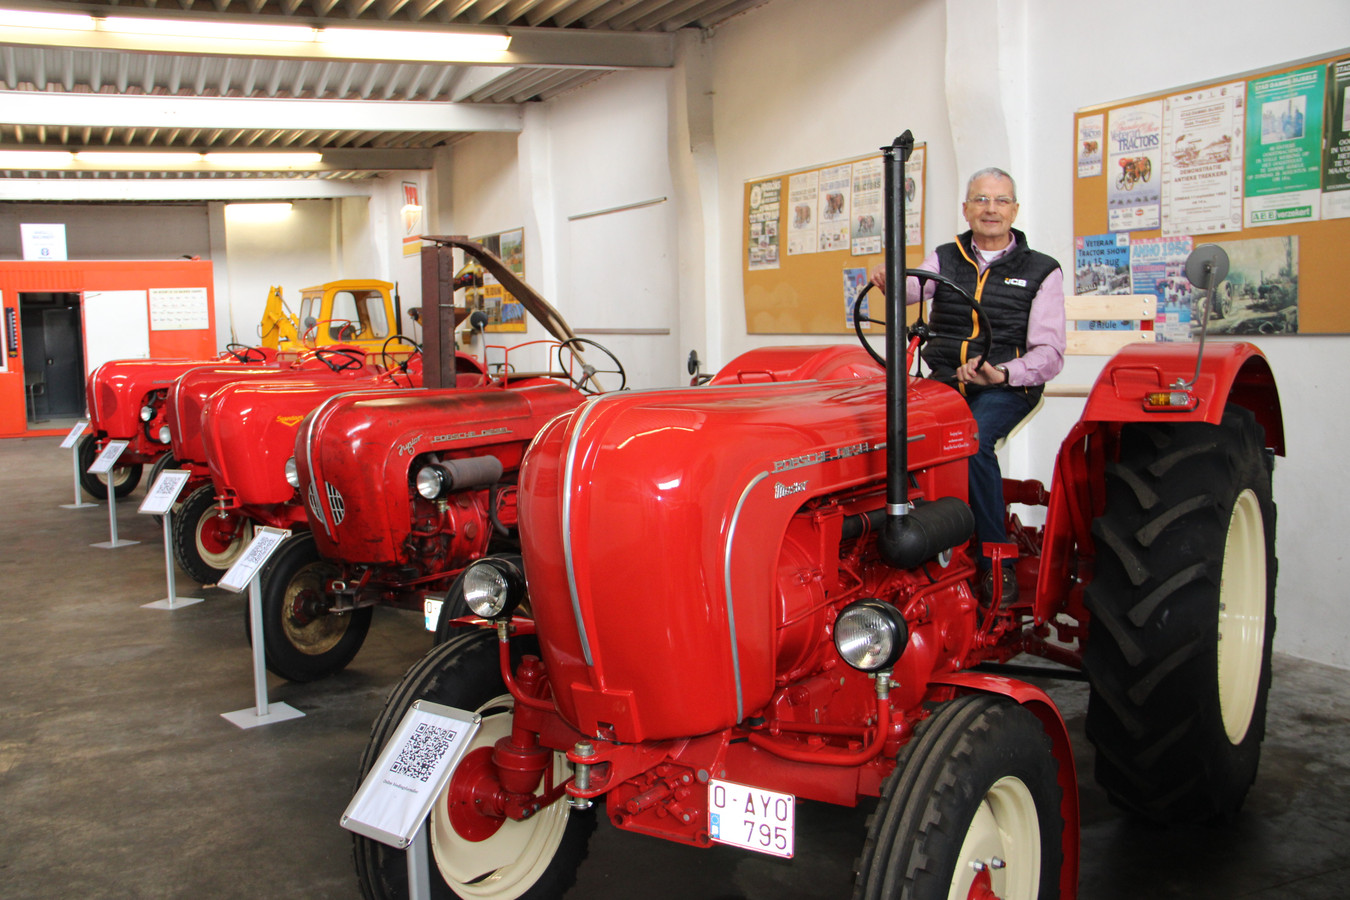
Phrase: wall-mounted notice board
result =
(811, 238)
(1257, 163)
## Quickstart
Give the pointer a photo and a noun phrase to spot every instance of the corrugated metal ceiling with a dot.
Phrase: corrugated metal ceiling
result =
(66, 73)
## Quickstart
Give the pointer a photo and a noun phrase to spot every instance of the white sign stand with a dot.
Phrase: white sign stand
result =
(159, 501)
(70, 444)
(394, 799)
(103, 466)
(247, 572)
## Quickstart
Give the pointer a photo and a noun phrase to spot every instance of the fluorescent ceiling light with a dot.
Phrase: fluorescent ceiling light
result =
(133, 158)
(35, 159)
(12, 18)
(257, 212)
(379, 43)
(210, 30)
(262, 160)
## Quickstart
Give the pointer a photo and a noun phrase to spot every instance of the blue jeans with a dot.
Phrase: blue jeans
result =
(996, 413)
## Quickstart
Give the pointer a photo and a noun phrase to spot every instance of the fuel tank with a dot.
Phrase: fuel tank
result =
(653, 525)
(356, 451)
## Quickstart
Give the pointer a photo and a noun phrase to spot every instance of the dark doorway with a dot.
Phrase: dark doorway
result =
(53, 356)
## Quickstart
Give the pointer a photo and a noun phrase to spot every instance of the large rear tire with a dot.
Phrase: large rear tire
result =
(124, 478)
(975, 795)
(205, 543)
(531, 859)
(1183, 616)
(302, 639)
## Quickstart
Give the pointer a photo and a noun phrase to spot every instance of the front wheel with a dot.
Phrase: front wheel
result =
(971, 810)
(303, 639)
(206, 543)
(123, 478)
(1183, 618)
(532, 858)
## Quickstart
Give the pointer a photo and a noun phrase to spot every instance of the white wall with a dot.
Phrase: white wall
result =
(612, 276)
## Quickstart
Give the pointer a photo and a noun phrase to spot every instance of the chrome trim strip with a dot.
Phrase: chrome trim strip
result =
(568, 466)
(726, 583)
(309, 453)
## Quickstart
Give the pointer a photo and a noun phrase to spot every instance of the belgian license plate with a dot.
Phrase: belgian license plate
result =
(751, 817)
(431, 611)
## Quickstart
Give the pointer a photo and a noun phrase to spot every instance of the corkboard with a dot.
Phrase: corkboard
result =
(1320, 243)
(805, 292)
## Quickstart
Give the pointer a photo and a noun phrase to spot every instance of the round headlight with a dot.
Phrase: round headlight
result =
(493, 587)
(147, 413)
(430, 481)
(165, 436)
(870, 635)
(292, 473)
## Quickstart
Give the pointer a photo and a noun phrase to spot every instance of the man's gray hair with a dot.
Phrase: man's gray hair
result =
(997, 173)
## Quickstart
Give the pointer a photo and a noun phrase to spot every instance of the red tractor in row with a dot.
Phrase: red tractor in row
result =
(127, 397)
(126, 402)
(731, 596)
(207, 536)
(313, 456)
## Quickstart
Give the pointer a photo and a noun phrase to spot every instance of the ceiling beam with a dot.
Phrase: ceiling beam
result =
(529, 46)
(138, 111)
(335, 159)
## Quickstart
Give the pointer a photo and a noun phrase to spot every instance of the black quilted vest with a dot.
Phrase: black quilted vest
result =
(1004, 292)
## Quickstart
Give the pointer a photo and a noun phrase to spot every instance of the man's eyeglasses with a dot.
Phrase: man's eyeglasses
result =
(985, 200)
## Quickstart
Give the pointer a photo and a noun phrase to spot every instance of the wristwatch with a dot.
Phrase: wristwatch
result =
(1007, 379)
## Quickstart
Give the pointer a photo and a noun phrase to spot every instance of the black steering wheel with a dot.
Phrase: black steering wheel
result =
(920, 328)
(401, 365)
(346, 358)
(581, 374)
(244, 353)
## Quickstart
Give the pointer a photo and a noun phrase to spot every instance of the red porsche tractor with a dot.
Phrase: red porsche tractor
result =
(451, 448)
(206, 537)
(126, 402)
(746, 593)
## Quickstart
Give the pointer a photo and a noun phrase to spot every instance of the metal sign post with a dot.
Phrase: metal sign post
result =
(247, 571)
(159, 500)
(393, 801)
(71, 443)
(104, 466)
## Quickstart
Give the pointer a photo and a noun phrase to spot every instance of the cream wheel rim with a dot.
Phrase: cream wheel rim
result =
(515, 857)
(1005, 837)
(1242, 616)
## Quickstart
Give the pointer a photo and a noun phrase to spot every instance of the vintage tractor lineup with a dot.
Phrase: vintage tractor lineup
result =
(694, 606)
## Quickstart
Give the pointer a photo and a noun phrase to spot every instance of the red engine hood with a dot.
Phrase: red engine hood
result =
(189, 395)
(355, 451)
(652, 528)
(117, 390)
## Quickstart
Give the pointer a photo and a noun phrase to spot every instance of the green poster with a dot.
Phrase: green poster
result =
(1336, 160)
(1284, 147)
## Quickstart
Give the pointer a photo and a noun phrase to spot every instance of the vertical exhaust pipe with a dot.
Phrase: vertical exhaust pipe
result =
(913, 533)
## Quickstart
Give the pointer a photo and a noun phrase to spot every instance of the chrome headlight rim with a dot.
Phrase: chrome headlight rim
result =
(429, 482)
(870, 635)
(165, 435)
(147, 412)
(493, 587)
(292, 473)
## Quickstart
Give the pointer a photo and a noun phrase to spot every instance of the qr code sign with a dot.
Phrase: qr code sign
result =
(422, 751)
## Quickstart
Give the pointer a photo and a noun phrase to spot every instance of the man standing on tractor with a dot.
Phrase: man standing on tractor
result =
(1022, 293)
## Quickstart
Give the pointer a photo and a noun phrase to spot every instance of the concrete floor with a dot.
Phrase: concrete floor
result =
(119, 778)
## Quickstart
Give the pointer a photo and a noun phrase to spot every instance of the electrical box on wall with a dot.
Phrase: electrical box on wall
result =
(64, 318)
